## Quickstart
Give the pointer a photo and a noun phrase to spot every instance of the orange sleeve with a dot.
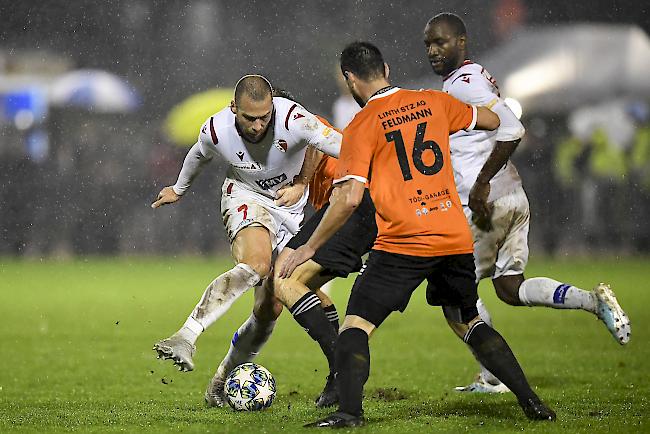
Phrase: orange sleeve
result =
(357, 149)
(461, 116)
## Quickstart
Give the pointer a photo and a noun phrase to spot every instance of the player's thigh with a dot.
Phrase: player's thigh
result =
(303, 279)
(452, 285)
(342, 254)
(486, 243)
(513, 252)
(252, 246)
(385, 284)
(242, 209)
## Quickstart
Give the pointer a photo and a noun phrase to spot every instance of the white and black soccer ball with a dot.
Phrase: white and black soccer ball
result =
(250, 387)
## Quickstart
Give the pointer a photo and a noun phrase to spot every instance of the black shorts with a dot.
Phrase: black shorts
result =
(341, 254)
(387, 281)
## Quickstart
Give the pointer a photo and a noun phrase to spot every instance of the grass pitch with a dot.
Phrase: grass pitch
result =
(76, 338)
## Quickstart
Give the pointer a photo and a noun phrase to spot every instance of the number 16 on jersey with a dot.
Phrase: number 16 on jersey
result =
(419, 146)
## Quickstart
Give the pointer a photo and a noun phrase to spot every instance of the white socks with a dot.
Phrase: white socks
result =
(542, 291)
(217, 299)
(246, 344)
(191, 330)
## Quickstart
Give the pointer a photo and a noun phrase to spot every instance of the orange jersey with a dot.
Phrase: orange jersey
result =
(320, 186)
(399, 144)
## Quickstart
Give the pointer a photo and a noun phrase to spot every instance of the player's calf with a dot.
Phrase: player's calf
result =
(494, 353)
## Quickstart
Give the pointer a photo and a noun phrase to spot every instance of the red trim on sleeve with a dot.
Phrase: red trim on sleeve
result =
(212, 133)
(286, 121)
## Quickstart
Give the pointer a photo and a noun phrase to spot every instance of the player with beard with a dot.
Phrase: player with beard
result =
(494, 200)
(399, 144)
(264, 140)
(311, 308)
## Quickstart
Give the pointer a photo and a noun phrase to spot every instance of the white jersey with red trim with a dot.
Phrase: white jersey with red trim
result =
(472, 84)
(265, 166)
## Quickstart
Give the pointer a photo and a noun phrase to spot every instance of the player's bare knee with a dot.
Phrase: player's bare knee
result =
(262, 266)
(354, 321)
(460, 319)
(282, 290)
(507, 288)
(268, 312)
(267, 308)
(508, 295)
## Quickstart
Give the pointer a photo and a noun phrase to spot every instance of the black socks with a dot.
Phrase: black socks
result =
(493, 352)
(309, 313)
(352, 368)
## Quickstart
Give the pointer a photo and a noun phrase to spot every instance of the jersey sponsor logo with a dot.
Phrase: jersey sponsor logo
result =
(281, 144)
(251, 167)
(267, 184)
(240, 154)
(327, 131)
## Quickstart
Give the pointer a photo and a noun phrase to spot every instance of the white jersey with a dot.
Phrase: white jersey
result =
(265, 166)
(472, 84)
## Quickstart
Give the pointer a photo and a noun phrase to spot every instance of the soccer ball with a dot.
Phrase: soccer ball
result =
(250, 387)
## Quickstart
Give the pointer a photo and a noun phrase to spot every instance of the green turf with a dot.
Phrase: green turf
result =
(76, 341)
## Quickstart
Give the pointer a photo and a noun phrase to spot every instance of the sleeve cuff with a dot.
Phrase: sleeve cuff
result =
(474, 117)
(177, 190)
(348, 177)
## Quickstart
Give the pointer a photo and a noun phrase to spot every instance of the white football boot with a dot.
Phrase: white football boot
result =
(214, 394)
(609, 312)
(177, 348)
(480, 385)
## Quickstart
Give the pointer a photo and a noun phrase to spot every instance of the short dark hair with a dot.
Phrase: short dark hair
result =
(256, 87)
(452, 20)
(283, 93)
(364, 60)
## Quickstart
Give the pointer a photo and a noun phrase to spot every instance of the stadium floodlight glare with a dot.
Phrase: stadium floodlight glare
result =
(515, 106)
(543, 76)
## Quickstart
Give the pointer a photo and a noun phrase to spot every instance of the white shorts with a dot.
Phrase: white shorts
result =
(503, 251)
(241, 208)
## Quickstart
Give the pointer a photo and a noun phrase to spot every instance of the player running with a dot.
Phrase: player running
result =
(494, 200)
(399, 143)
(264, 140)
(311, 308)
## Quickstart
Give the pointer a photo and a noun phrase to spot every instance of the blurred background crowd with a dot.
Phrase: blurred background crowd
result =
(99, 101)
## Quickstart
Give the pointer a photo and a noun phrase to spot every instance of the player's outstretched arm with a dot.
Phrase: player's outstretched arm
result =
(192, 166)
(166, 195)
